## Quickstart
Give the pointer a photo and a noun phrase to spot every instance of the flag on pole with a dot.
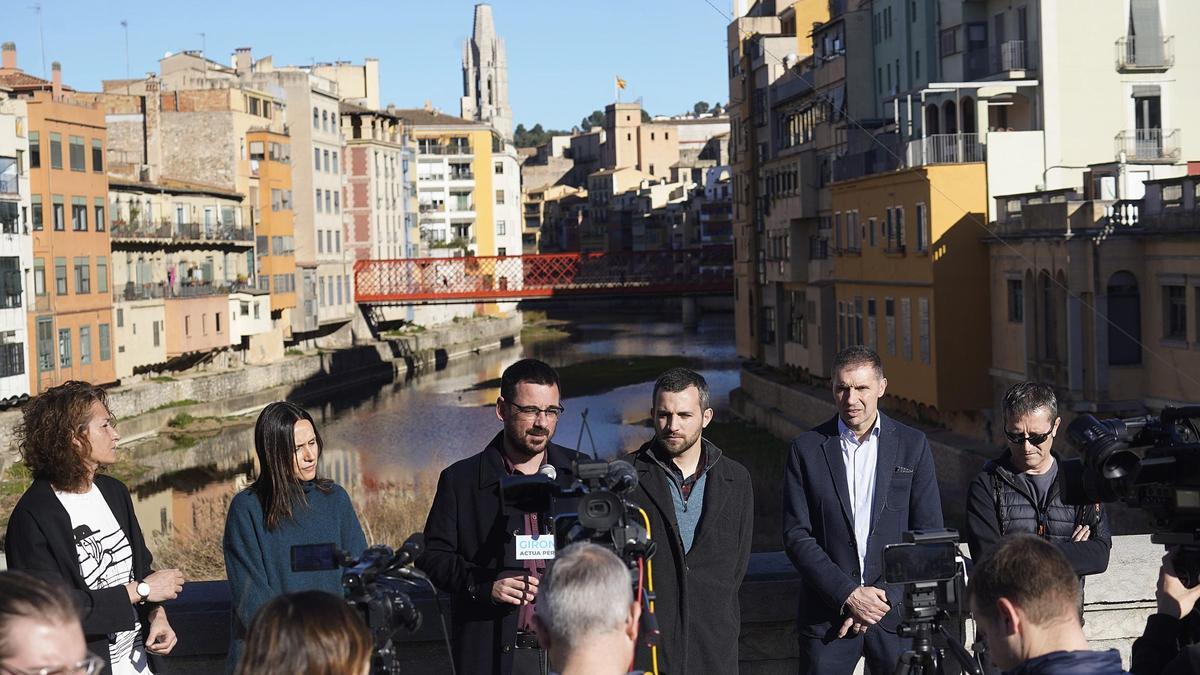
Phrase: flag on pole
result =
(620, 82)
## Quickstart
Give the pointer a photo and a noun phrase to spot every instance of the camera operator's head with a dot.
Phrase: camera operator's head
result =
(39, 628)
(307, 633)
(1025, 601)
(681, 409)
(1030, 423)
(586, 615)
(529, 405)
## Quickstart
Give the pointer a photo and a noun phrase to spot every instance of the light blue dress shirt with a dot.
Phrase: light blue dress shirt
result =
(860, 460)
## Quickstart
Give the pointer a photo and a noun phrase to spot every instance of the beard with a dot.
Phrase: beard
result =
(520, 442)
(677, 446)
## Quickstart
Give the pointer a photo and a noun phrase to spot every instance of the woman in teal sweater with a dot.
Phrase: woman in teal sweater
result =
(287, 505)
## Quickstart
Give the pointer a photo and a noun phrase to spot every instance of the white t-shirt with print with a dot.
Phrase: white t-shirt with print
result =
(106, 560)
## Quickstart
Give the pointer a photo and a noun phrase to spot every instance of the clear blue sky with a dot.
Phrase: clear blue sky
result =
(562, 54)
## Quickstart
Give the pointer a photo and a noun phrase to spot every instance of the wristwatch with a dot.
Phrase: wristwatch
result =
(143, 591)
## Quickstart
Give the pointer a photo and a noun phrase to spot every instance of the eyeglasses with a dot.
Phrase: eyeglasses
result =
(531, 411)
(1035, 439)
(92, 665)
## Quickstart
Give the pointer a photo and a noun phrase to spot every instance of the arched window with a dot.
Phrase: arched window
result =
(931, 120)
(949, 118)
(968, 115)
(1124, 320)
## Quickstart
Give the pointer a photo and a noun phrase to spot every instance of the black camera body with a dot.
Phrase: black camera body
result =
(1150, 463)
(377, 585)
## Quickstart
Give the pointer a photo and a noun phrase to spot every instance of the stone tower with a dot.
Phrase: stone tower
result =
(485, 76)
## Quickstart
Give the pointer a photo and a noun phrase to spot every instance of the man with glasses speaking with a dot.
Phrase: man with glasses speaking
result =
(1019, 491)
(489, 562)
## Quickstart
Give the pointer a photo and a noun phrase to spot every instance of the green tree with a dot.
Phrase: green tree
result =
(700, 108)
(646, 116)
(596, 119)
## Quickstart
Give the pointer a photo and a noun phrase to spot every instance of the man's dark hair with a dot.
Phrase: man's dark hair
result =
(676, 380)
(1032, 574)
(1025, 398)
(857, 355)
(526, 370)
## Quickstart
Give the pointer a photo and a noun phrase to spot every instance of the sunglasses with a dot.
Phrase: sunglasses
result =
(1035, 439)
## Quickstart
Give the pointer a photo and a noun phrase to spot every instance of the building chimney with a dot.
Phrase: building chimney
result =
(56, 80)
(10, 56)
(242, 63)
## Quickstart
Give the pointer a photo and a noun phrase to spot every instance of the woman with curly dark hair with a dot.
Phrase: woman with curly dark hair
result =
(76, 526)
(307, 633)
(287, 505)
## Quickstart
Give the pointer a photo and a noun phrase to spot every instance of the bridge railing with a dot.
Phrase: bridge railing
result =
(513, 277)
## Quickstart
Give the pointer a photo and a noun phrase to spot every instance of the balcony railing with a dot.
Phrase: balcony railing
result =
(945, 149)
(160, 289)
(1145, 54)
(432, 177)
(1149, 145)
(1014, 55)
(444, 150)
(462, 175)
(139, 228)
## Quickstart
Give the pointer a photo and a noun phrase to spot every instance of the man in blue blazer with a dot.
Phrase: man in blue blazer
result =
(854, 485)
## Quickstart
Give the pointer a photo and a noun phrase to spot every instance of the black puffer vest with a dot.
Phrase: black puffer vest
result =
(1017, 509)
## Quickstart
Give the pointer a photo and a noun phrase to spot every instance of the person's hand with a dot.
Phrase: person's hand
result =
(164, 585)
(161, 639)
(866, 605)
(851, 624)
(1081, 533)
(1174, 599)
(511, 588)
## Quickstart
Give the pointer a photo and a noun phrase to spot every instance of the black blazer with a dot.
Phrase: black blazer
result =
(468, 542)
(39, 542)
(699, 616)
(818, 526)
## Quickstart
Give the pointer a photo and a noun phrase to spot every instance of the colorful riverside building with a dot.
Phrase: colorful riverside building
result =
(71, 315)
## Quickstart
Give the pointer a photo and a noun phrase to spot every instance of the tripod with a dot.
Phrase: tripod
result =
(924, 658)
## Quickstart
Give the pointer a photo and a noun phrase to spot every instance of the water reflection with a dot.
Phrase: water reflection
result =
(401, 434)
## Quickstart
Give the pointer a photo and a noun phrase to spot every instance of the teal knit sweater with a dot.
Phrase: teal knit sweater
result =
(258, 561)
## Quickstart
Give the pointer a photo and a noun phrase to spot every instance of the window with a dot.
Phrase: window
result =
(923, 329)
(949, 41)
(79, 214)
(337, 241)
(64, 347)
(335, 166)
(77, 154)
(500, 228)
(889, 324)
(12, 359)
(328, 202)
(340, 291)
(499, 196)
(60, 219)
(39, 276)
(499, 168)
(120, 318)
(36, 212)
(217, 317)
(325, 120)
(901, 238)
(60, 276)
(922, 229)
(98, 208)
(35, 150)
(83, 278)
(319, 209)
(328, 165)
(337, 199)
(45, 344)
(316, 118)
(85, 345)
(1124, 320)
(321, 285)
(97, 156)
(1016, 301)
(767, 334)
(10, 282)
(105, 347)
(1174, 312)
(906, 327)
(872, 330)
(101, 274)
(316, 159)
(320, 241)
(157, 328)
(56, 151)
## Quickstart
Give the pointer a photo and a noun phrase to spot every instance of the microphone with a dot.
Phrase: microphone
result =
(622, 477)
(548, 471)
(412, 549)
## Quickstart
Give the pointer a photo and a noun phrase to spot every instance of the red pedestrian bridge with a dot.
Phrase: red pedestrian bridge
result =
(474, 279)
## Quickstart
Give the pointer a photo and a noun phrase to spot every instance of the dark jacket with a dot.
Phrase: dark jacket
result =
(1072, 663)
(1165, 648)
(699, 616)
(818, 524)
(39, 542)
(1000, 503)
(468, 542)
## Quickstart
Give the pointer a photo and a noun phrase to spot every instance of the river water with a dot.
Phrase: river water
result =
(386, 444)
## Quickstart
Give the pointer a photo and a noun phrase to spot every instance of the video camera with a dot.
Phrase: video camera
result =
(1150, 463)
(928, 566)
(592, 507)
(376, 584)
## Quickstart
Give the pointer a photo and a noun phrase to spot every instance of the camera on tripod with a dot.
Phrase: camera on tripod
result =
(1150, 463)
(377, 585)
(928, 566)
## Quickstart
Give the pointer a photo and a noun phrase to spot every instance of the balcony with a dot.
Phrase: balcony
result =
(452, 150)
(432, 177)
(1013, 55)
(946, 149)
(1148, 145)
(1145, 54)
(140, 228)
(462, 175)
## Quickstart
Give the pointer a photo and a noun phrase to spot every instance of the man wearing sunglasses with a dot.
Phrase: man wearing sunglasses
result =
(476, 552)
(1019, 490)
(40, 633)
